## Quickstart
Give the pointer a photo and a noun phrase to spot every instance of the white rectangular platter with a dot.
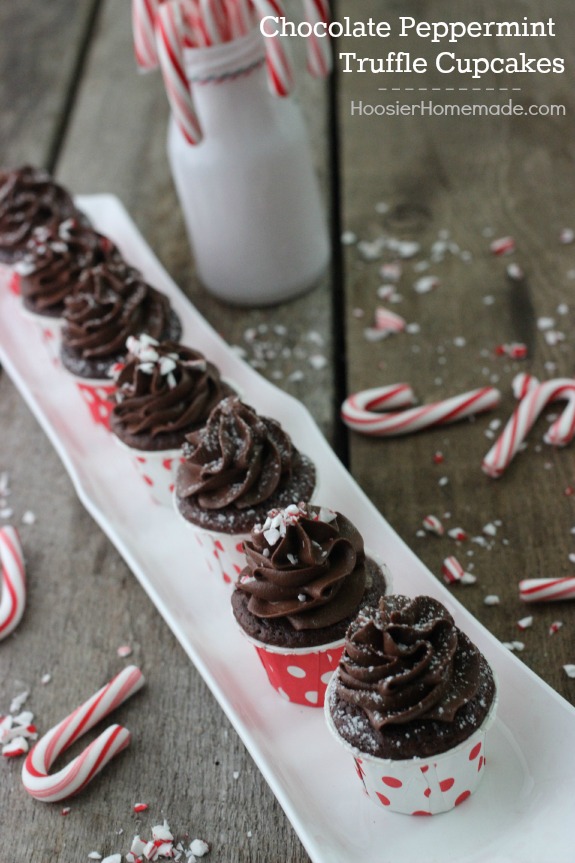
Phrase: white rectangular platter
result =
(522, 812)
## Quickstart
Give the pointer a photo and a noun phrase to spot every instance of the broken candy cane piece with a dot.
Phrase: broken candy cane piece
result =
(73, 778)
(433, 525)
(546, 589)
(532, 403)
(358, 410)
(13, 581)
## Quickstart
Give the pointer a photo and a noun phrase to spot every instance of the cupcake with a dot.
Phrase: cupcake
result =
(306, 576)
(54, 259)
(235, 468)
(110, 303)
(30, 198)
(412, 700)
(165, 391)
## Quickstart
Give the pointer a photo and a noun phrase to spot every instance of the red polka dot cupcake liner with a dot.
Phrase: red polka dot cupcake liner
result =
(422, 786)
(14, 283)
(157, 471)
(97, 396)
(300, 675)
(223, 553)
(49, 330)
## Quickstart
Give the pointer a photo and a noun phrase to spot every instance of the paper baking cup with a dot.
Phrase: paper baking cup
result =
(421, 786)
(223, 552)
(14, 282)
(49, 330)
(157, 470)
(300, 675)
(97, 397)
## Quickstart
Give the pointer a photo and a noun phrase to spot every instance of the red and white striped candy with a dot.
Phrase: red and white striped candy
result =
(357, 414)
(546, 589)
(388, 321)
(433, 525)
(143, 27)
(561, 432)
(452, 570)
(216, 22)
(280, 75)
(240, 16)
(522, 420)
(319, 57)
(73, 778)
(502, 246)
(169, 44)
(12, 579)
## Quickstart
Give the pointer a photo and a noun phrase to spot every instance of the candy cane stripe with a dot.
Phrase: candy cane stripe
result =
(13, 581)
(80, 771)
(414, 419)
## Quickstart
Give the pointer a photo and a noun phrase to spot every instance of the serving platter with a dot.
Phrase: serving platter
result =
(522, 810)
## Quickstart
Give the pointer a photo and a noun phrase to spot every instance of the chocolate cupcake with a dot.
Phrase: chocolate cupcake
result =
(237, 467)
(306, 576)
(412, 700)
(165, 391)
(53, 261)
(29, 199)
(111, 302)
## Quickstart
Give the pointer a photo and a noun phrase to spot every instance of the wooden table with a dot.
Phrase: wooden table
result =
(71, 100)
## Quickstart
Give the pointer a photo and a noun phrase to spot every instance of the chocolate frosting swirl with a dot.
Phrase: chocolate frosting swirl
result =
(29, 197)
(305, 564)
(54, 259)
(110, 303)
(238, 458)
(165, 387)
(407, 660)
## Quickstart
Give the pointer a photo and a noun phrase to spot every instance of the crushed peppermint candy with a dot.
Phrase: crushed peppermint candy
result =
(516, 646)
(569, 670)
(274, 527)
(491, 599)
(555, 627)
(425, 284)
(433, 525)
(458, 534)
(124, 650)
(502, 246)
(525, 622)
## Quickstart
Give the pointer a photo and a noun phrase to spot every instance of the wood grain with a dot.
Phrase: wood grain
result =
(467, 180)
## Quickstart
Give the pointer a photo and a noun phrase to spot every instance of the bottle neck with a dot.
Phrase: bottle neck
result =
(228, 61)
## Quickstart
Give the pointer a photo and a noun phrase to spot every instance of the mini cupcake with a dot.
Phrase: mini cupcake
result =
(54, 259)
(111, 302)
(165, 391)
(29, 199)
(412, 700)
(235, 468)
(306, 576)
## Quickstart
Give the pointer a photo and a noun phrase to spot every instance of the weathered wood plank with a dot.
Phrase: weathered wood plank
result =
(467, 180)
(41, 47)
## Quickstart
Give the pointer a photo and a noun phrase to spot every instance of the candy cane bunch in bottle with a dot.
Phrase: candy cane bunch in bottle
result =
(162, 29)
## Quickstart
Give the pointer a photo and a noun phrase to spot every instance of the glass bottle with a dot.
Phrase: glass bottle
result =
(248, 189)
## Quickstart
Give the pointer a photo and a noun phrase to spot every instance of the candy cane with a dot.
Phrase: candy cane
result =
(319, 58)
(546, 589)
(169, 44)
(85, 766)
(143, 23)
(562, 431)
(356, 412)
(214, 15)
(522, 420)
(13, 579)
(280, 76)
(240, 16)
